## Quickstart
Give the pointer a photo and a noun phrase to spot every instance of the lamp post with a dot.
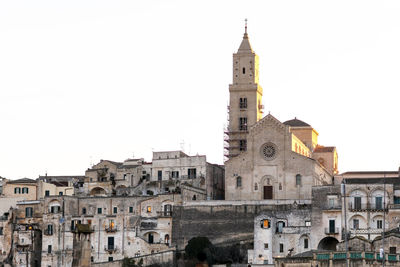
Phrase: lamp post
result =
(343, 187)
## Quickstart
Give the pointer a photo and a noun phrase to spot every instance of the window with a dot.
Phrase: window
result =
(110, 259)
(192, 173)
(332, 227)
(1, 230)
(130, 209)
(244, 70)
(47, 193)
(148, 208)
(356, 223)
(392, 250)
(379, 224)
(331, 202)
(54, 209)
(305, 243)
(281, 247)
(49, 249)
(243, 124)
(91, 258)
(308, 223)
(99, 210)
(194, 197)
(298, 179)
(83, 211)
(378, 203)
(255, 186)
(265, 224)
(243, 102)
(17, 190)
(124, 176)
(280, 186)
(25, 190)
(243, 145)
(239, 181)
(115, 210)
(111, 224)
(279, 227)
(265, 245)
(28, 212)
(357, 203)
(110, 243)
(175, 174)
(60, 193)
(50, 229)
(159, 174)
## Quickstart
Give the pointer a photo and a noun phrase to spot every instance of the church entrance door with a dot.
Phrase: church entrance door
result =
(268, 192)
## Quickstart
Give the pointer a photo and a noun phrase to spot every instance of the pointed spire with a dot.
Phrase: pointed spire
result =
(245, 45)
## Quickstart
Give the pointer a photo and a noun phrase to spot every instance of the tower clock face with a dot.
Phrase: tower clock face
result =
(268, 151)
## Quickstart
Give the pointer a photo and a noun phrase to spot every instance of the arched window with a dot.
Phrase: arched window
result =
(239, 181)
(194, 197)
(166, 239)
(298, 179)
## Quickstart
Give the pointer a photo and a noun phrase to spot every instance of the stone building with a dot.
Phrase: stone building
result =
(269, 159)
(24, 188)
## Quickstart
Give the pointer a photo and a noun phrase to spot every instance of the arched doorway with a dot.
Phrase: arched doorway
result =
(328, 243)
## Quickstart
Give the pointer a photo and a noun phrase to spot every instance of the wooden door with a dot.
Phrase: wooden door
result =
(268, 192)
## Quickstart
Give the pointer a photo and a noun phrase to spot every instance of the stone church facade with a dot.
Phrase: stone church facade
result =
(269, 159)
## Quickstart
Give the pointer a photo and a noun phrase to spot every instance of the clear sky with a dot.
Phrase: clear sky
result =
(85, 80)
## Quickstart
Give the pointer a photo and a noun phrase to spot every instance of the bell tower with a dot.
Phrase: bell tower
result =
(245, 97)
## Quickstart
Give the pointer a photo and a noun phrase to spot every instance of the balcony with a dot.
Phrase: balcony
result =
(148, 225)
(332, 231)
(332, 207)
(365, 231)
(367, 207)
(47, 232)
(110, 248)
(111, 229)
(164, 214)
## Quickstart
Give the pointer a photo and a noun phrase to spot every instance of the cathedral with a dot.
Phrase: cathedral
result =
(269, 159)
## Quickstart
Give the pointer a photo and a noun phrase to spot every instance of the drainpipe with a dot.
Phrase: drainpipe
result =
(384, 218)
(345, 220)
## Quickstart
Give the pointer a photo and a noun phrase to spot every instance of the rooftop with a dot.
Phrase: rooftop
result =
(296, 123)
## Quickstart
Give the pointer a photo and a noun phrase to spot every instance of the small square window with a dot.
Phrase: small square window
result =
(130, 209)
(308, 223)
(148, 208)
(99, 210)
(265, 245)
(115, 210)
(280, 247)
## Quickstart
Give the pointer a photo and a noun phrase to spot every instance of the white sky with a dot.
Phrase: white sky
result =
(82, 80)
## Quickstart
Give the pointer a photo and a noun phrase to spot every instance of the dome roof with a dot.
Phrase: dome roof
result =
(296, 123)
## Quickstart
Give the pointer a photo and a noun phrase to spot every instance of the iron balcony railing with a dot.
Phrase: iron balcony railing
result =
(110, 248)
(367, 206)
(331, 230)
(111, 229)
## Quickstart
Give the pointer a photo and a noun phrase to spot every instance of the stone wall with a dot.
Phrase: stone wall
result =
(222, 222)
